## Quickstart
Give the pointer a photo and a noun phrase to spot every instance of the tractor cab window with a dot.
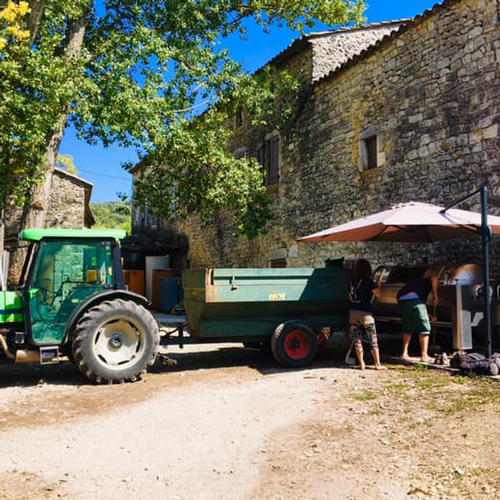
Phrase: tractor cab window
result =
(66, 274)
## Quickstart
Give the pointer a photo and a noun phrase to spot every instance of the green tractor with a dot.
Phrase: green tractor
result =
(71, 301)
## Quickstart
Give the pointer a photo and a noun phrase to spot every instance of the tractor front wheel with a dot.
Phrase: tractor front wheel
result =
(115, 341)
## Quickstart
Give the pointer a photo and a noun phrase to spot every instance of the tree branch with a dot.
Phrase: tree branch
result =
(34, 18)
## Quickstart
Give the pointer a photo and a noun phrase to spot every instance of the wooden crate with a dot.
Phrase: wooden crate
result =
(134, 280)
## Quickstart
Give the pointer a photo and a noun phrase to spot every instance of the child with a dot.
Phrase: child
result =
(360, 317)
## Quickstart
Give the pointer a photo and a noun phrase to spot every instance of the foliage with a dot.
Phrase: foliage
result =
(136, 73)
(21, 147)
(112, 215)
(65, 162)
(11, 17)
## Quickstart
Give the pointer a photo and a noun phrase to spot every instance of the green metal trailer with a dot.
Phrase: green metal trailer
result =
(284, 307)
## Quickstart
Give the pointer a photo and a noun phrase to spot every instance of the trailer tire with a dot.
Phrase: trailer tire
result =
(293, 344)
(115, 341)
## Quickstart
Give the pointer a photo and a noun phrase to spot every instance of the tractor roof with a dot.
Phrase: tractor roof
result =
(104, 234)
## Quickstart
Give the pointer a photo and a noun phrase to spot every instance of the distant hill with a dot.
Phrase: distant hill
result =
(112, 215)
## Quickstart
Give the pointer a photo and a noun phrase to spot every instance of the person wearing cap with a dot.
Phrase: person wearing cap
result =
(413, 311)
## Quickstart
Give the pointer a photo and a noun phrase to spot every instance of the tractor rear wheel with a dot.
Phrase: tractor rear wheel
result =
(293, 344)
(115, 341)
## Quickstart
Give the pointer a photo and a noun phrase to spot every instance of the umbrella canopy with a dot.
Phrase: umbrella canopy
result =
(409, 222)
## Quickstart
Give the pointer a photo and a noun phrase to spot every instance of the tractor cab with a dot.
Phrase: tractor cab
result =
(64, 269)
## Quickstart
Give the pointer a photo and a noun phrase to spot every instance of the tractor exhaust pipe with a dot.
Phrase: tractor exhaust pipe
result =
(24, 356)
(21, 355)
(5, 348)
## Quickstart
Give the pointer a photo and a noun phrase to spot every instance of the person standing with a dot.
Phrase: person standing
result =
(362, 323)
(413, 311)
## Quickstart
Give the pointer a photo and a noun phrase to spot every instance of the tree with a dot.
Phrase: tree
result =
(65, 162)
(112, 214)
(137, 72)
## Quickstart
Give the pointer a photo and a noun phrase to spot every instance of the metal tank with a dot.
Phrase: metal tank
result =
(459, 308)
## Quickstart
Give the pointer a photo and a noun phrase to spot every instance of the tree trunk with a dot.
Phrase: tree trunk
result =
(2, 238)
(33, 216)
(35, 208)
(36, 11)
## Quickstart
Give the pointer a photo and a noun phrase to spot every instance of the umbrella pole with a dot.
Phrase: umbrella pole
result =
(485, 245)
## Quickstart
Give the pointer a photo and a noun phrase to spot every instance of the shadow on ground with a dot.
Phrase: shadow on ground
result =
(30, 374)
(206, 357)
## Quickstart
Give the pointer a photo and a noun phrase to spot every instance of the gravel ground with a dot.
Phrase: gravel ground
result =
(226, 423)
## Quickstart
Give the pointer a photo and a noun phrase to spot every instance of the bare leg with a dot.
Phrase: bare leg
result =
(376, 358)
(424, 344)
(406, 343)
(359, 354)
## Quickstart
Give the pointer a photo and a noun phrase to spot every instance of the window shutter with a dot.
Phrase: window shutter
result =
(273, 173)
(261, 159)
(260, 154)
(241, 153)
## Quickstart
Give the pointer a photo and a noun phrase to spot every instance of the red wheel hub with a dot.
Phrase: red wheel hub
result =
(297, 344)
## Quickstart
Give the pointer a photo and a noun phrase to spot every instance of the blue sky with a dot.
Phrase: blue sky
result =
(102, 166)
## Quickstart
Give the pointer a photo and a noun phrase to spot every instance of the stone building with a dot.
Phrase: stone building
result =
(68, 207)
(69, 204)
(388, 113)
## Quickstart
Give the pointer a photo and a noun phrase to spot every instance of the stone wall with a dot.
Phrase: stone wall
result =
(67, 207)
(67, 202)
(431, 92)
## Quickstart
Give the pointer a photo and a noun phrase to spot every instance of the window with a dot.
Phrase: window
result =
(173, 205)
(278, 263)
(278, 258)
(143, 216)
(238, 118)
(268, 155)
(371, 149)
(371, 152)
(240, 153)
(66, 274)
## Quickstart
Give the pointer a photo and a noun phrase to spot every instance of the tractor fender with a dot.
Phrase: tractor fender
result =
(96, 299)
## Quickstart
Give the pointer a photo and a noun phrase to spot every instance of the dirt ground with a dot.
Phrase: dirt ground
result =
(226, 423)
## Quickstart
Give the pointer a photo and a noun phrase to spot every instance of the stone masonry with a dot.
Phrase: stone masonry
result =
(428, 89)
(68, 207)
(69, 204)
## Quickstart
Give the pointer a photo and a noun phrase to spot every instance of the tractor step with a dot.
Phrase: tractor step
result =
(49, 355)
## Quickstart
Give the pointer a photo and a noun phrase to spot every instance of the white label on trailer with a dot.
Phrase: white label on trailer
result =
(277, 296)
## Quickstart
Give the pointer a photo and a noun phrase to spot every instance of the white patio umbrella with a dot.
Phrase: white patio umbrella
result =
(409, 222)
(424, 222)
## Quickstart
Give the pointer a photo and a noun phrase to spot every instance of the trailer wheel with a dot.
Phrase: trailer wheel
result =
(115, 341)
(293, 344)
